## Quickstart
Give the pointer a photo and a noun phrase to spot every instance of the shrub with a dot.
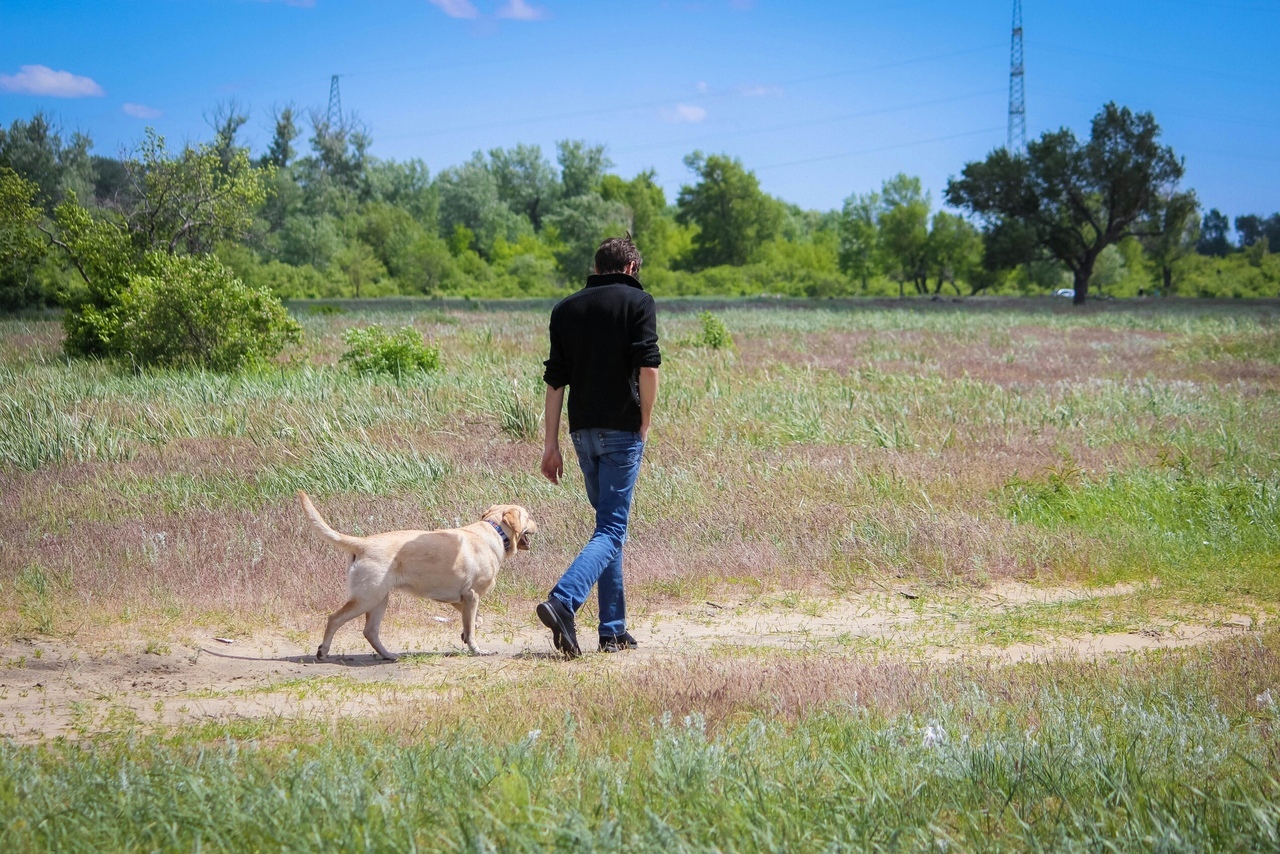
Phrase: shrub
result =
(191, 311)
(714, 334)
(373, 350)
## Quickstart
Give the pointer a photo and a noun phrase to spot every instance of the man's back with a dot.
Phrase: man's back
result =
(600, 338)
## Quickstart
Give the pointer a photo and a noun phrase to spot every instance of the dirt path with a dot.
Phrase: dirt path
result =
(51, 688)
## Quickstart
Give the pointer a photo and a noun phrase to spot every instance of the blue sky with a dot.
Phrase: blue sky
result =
(820, 99)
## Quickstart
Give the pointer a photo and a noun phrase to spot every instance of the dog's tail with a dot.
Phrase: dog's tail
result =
(342, 541)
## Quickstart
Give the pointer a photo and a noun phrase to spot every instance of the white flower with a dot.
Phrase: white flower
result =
(934, 736)
(1265, 700)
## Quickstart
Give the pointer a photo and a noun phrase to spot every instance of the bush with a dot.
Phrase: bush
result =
(192, 312)
(373, 350)
(714, 334)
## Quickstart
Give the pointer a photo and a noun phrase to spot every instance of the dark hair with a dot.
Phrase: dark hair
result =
(616, 253)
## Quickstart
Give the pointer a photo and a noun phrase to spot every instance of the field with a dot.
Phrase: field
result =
(990, 574)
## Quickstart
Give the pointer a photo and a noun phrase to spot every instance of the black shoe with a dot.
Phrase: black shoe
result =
(557, 616)
(617, 643)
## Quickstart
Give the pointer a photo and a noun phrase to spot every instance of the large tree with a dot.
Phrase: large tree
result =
(1078, 198)
(734, 216)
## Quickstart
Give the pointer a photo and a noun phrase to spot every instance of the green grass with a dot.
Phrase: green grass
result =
(836, 449)
(1181, 756)
(1210, 535)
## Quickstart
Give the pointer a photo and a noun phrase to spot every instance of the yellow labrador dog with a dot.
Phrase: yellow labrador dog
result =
(455, 566)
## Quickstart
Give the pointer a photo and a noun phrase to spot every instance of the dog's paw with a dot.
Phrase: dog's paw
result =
(321, 655)
(388, 656)
(475, 650)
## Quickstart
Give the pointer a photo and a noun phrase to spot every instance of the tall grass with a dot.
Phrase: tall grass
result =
(832, 447)
(1039, 758)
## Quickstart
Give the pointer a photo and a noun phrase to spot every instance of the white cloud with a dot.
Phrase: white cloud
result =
(42, 80)
(141, 111)
(519, 10)
(456, 8)
(762, 91)
(703, 87)
(683, 113)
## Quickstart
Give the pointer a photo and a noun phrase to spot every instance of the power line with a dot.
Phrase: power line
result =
(812, 123)
(1186, 69)
(667, 101)
(879, 149)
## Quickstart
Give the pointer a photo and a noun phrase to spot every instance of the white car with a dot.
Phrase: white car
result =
(1065, 292)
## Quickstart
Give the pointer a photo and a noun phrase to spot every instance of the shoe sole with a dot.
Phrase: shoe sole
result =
(552, 620)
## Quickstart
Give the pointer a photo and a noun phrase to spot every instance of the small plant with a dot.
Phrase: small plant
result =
(374, 350)
(714, 334)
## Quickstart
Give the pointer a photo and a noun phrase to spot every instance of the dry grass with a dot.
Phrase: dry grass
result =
(834, 449)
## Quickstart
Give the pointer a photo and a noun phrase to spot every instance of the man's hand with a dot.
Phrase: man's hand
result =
(648, 394)
(552, 463)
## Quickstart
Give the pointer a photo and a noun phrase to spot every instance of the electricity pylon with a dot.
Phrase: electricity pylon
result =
(1017, 94)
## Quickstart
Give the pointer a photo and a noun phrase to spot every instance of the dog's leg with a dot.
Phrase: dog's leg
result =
(337, 620)
(467, 607)
(372, 621)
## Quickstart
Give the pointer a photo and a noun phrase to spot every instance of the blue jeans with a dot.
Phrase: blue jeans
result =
(610, 461)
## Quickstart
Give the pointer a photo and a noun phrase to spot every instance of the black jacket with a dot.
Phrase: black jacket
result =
(601, 336)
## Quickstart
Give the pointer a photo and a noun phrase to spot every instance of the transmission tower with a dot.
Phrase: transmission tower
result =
(1017, 94)
(334, 116)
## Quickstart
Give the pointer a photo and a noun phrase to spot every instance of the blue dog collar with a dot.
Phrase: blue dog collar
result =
(506, 541)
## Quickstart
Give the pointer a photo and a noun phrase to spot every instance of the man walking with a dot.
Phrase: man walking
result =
(604, 346)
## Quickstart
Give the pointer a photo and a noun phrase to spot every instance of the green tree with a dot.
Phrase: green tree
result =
(652, 227)
(732, 213)
(193, 199)
(953, 251)
(21, 247)
(34, 150)
(1077, 198)
(904, 231)
(860, 237)
(525, 181)
(1254, 229)
(582, 166)
(281, 152)
(581, 223)
(360, 265)
(469, 198)
(1178, 235)
(1213, 234)
(186, 202)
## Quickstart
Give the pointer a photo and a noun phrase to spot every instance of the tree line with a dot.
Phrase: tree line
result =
(316, 215)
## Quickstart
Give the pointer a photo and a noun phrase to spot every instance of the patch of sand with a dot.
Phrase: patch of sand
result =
(51, 688)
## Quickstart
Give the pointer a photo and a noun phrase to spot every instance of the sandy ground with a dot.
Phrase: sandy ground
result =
(53, 688)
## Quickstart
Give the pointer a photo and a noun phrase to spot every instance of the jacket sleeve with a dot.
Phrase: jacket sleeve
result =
(556, 374)
(644, 335)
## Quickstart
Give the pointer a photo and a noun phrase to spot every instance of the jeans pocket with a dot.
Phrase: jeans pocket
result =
(621, 447)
